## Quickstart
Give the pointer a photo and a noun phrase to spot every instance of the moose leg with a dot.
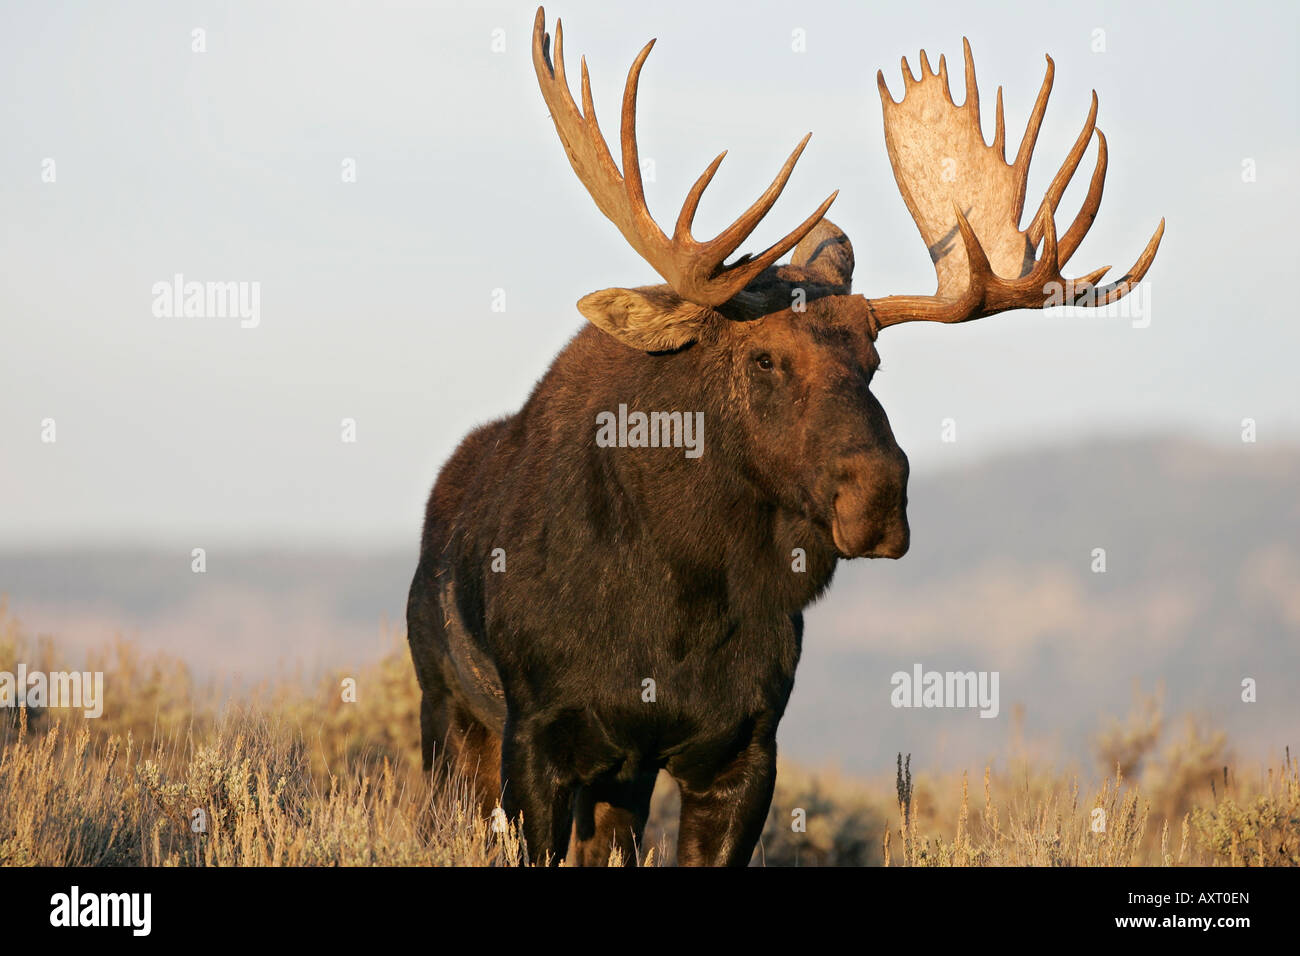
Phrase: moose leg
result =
(609, 814)
(428, 734)
(473, 754)
(533, 789)
(722, 819)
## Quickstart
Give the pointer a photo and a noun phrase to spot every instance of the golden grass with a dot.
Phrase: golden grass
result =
(172, 775)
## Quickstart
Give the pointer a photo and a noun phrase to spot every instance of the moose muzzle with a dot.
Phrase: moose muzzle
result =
(869, 514)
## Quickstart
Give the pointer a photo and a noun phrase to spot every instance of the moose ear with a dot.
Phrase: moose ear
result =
(827, 253)
(652, 319)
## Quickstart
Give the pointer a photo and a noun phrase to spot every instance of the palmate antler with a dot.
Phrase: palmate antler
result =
(967, 202)
(695, 270)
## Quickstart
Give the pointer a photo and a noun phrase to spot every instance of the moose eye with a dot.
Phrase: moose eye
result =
(764, 362)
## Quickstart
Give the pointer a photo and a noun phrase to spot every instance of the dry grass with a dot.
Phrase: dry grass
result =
(172, 775)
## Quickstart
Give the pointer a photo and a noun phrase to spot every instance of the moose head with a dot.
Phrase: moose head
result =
(790, 346)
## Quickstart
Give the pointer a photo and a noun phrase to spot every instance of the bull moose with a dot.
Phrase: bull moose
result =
(585, 614)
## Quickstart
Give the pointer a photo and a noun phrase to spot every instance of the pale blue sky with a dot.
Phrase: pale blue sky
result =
(375, 296)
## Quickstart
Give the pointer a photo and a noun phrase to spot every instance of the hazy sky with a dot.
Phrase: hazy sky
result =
(376, 295)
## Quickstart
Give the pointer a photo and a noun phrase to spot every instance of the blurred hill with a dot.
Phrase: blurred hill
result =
(1201, 590)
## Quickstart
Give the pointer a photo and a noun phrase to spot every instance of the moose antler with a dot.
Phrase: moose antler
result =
(695, 270)
(955, 185)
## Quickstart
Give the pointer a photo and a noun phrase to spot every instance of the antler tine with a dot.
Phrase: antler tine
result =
(631, 155)
(972, 87)
(943, 77)
(686, 218)
(1120, 288)
(1027, 142)
(1067, 170)
(1091, 203)
(980, 268)
(596, 137)
(1000, 130)
(695, 270)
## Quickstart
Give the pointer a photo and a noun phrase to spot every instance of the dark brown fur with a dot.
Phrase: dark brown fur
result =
(627, 564)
